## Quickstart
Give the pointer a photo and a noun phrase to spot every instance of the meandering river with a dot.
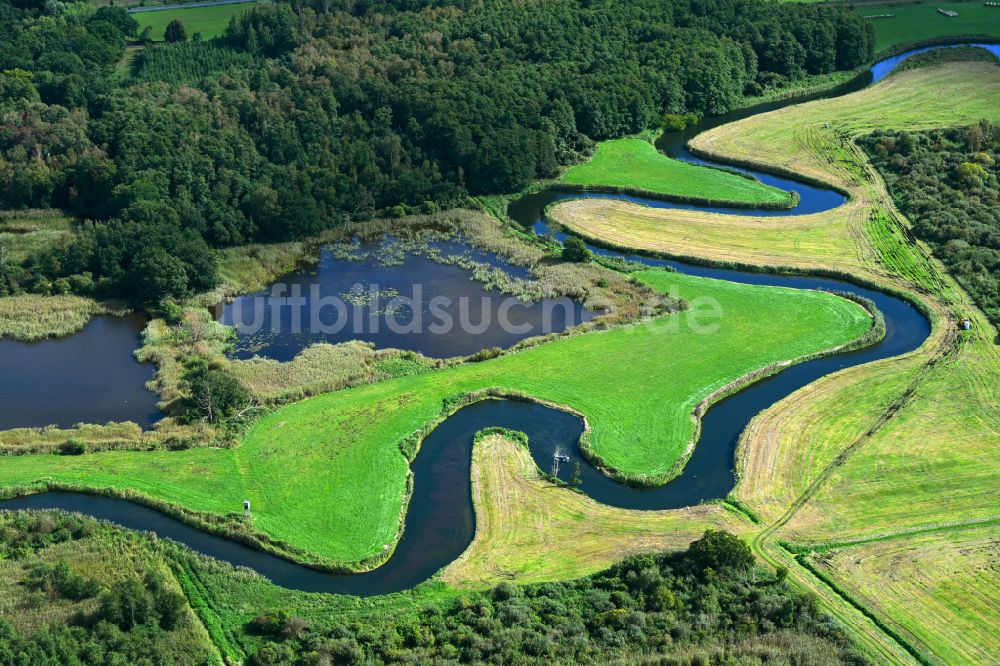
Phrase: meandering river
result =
(440, 522)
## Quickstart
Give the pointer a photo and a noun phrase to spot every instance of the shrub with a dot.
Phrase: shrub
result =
(127, 605)
(270, 623)
(213, 394)
(72, 447)
(575, 250)
(60, 581)
(175, 32)
(721, 551)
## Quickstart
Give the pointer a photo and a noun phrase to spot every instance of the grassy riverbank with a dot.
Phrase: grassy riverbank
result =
(812, 137)
(875, 451)
(326, 475)
(635, 164)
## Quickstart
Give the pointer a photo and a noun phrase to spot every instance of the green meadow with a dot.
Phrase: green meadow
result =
(921, 22)
(210, 21)
(326, 475)
(637, 164)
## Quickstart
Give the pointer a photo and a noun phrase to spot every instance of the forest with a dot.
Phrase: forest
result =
(948, 183)
(312, 114)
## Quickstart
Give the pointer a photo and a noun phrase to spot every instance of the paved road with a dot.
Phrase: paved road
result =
(186, 5)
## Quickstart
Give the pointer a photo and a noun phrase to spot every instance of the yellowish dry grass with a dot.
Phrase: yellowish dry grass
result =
(529, 530)
(939, 589)
(795, 241)
(937, 460)
(317, 369)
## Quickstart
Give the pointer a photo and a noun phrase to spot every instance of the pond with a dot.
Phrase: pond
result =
(88, 377)
(414, 303)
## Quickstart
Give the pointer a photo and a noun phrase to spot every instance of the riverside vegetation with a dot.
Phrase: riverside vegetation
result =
(528, 530)
(75, 591)
(635, 165)
(946, 182)
(367, 425)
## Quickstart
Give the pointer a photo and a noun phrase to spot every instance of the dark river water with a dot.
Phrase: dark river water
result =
(440, 522)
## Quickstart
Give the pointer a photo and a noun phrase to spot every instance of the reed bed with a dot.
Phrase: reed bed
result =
(30, 317)
(324, 367)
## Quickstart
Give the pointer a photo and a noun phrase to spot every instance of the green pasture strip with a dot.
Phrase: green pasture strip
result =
(913, 23)
(637, 164)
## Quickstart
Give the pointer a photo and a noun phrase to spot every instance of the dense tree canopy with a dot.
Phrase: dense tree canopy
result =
(310, 113)
(948, 183)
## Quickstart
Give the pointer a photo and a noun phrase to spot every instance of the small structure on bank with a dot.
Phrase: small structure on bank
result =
(246, 508)
(965, 324)
(558, 457)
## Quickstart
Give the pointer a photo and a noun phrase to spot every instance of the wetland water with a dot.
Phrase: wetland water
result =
(440, 522)
(88, 377)
(398, 304)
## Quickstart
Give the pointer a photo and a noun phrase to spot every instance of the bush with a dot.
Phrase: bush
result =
(721, 551)
(213, 394)
(127, 605)
(72, 447)
(60, 581)
(175, 32)
(574, 249)
(270, 623)
(133, 602)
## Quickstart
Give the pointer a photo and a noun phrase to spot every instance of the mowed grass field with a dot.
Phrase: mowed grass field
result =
(915, 23)
(529, 530)
(637, 164)
(326, 474)
(210, 21)
(939, 589)
(876, 451)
